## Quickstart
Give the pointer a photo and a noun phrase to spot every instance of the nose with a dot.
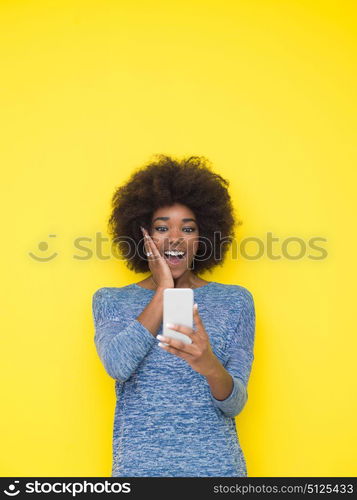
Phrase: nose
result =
(174, 238)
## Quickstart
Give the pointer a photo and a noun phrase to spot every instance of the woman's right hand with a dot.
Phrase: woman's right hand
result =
(159, 268)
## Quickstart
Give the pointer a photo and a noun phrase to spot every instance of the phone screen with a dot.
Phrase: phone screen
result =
(178, 309)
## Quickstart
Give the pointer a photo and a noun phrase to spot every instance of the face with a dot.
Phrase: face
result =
(175, 227)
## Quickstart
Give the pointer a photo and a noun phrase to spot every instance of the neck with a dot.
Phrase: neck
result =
(185, 281)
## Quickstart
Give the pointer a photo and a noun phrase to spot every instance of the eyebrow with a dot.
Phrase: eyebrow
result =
(167, 218)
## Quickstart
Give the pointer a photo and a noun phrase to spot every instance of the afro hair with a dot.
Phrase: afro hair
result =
(165, 181)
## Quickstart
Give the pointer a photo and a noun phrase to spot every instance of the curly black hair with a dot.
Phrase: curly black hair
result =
(164, 181)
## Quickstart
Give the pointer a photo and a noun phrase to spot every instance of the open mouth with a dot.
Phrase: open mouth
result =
(174, 257)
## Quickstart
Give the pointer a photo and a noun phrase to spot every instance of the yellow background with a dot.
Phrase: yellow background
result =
(265, 90)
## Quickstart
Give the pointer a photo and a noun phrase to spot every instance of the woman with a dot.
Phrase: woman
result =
(176, 403)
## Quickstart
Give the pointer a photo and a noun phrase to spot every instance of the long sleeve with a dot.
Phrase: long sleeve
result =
(240, 358)
(121, 347)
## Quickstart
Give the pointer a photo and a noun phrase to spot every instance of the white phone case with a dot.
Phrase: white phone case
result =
(178, 309)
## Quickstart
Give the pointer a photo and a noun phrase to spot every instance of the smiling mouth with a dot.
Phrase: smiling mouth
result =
(174, 258)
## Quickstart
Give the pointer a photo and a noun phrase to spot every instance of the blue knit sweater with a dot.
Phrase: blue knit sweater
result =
(167, 422)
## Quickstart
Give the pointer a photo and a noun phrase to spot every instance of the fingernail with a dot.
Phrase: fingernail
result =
(195, 306)
(160, 337)
(161, 344)
(170, 325)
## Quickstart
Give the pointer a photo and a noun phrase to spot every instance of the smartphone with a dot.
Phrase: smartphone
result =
(178, 309)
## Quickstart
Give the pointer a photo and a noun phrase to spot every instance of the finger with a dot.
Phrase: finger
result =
(146, 243)
(177, 344)
(176, 352)
(147, 248)
(197, 319)
(150, 246)
(181, 328)
(196, 315)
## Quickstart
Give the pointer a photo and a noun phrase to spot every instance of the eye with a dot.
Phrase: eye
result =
(191, 229)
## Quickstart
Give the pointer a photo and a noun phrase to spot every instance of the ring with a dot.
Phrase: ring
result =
(149, 254)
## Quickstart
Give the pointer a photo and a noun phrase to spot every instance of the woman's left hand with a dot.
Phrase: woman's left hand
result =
(199, 354)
